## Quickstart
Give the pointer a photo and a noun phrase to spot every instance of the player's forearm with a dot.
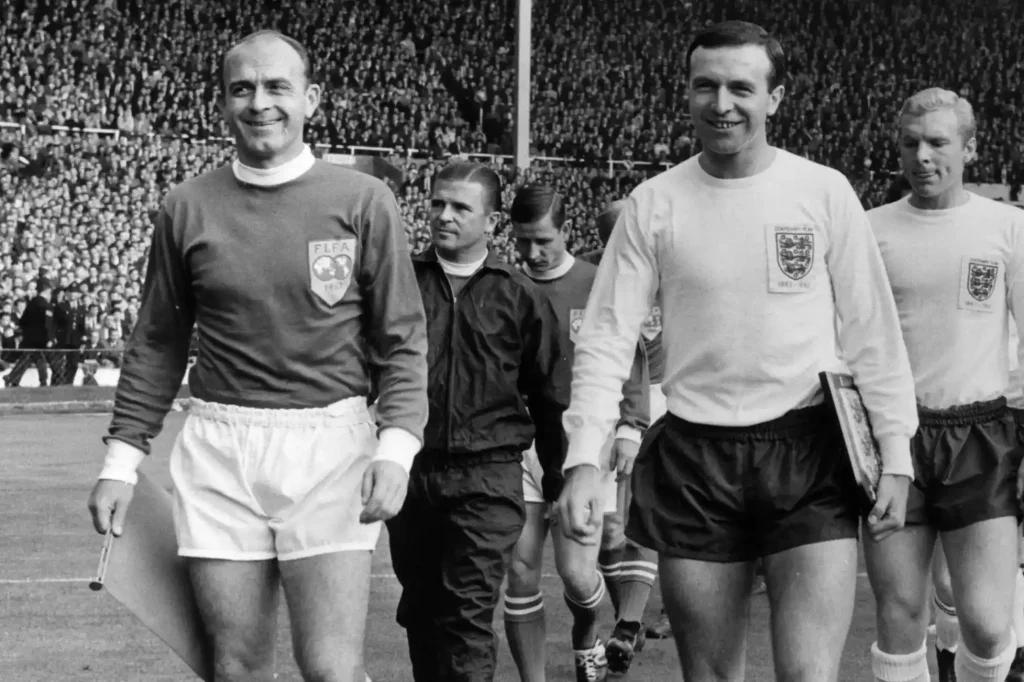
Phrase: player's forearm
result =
(635, 408)
(156, 355)
(151, 377)
(872, 341)
(622, 293)
(598, 378)
(397, 329)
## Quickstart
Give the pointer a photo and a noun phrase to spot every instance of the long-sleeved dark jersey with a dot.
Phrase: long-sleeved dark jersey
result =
(303, 293)
(568, 295)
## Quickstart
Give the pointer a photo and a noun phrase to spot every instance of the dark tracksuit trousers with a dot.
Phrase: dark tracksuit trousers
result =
(450, 546)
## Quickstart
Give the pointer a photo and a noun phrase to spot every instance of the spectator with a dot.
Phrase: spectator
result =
(36, 324)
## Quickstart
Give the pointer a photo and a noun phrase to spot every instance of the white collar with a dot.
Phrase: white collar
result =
(278, 175)
(554, 273)
(460, 269)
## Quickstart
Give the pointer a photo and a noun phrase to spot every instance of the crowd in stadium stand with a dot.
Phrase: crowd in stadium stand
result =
(433, 79)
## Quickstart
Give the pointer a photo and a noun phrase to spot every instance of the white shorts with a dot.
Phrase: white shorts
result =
(659, 403)
(254, 484)
(533, 474)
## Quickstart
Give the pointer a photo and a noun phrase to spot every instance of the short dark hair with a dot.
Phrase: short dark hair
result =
(468, 171)
(738, 34)
(307, 62)
(536, 200)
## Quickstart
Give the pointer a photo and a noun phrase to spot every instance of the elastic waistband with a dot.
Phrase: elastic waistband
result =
(963, 415)
(799, 423)
(346, 412)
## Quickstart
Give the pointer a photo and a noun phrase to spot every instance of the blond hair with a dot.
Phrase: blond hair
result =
(938, 99)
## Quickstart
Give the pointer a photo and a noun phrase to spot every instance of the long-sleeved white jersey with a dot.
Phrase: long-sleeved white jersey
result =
(957, 276)
(753, 273)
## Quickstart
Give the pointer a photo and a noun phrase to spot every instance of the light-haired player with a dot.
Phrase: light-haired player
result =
(298, 276)
(755, 252)
(955, 261)
(540, 230)
(629, 569)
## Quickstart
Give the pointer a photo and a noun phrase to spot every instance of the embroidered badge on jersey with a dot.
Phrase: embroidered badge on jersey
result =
(652, 325)
(330, 268)
(575, 323)
(790, 258)
(978, 281)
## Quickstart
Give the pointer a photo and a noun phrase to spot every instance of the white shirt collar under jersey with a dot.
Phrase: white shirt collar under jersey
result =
(554, 273)
(278, 175)
(460, 269)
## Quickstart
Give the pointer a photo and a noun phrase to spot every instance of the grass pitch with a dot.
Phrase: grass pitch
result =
(55, 628)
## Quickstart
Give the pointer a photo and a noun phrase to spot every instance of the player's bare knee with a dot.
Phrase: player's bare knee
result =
(984, 630)
(523, 576)
(943, 584)
(613, 531)
(237, 665)
(339, 666)
(579, 575)
(906, 618)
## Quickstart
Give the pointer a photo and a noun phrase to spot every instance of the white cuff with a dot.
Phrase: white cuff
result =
(585, 447)
(122, 462)
(630, 433)
(399, 446)
(895, 451)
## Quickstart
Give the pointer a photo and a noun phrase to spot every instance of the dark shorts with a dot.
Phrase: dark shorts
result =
(965, 466)
(728, 494)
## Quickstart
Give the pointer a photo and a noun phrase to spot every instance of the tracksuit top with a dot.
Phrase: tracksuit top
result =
(498, 375)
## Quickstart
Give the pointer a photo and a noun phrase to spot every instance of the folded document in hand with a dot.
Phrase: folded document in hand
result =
(865, 458)
(147, 577)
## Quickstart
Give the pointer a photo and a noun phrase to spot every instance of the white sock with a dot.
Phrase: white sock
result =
(1018, 608)
(947, 627)
(970, 668)
(900, 667)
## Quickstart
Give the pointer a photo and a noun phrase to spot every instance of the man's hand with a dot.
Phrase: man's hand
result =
(384, 487)
(890, 508)
(624, 454)
(580, 507)
(108, 505)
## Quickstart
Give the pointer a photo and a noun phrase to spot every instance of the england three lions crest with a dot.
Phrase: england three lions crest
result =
(331, 262)
(575, 323)
(981, 279)
(795, 253)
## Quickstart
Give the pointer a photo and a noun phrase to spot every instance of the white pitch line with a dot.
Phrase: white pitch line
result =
(45, 581)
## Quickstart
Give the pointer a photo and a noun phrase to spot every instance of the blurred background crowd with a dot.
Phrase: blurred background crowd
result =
(421, 81)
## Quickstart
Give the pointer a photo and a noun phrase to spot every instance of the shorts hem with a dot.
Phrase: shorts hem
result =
(830, 536)
(224, 555)
(531, 499)
(729, 557)
(960, 524)
(327, 549)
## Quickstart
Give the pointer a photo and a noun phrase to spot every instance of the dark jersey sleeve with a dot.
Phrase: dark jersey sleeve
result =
(156, 354)
(635, 408)
(545, 378)
(397, 325)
